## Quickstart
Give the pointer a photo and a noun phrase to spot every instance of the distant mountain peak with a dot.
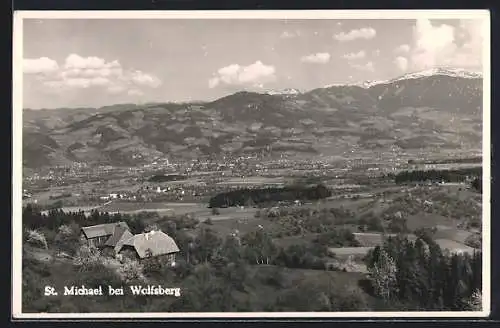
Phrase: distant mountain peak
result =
(453, 72)
(364, 84)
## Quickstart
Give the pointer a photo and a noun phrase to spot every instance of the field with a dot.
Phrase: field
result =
(252, 181)
(429, 220)
(348, 251)
(296, 240)
(243, 219)
(367, 239)
(225, 227)
(454, 246)
(456, 235)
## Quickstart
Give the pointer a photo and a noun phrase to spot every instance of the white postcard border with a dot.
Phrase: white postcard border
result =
(243, 14)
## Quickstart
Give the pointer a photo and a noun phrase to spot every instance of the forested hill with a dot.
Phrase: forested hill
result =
(436, 109)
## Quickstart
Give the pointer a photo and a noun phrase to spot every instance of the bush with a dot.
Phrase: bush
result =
(131, 271)
(375, 224)
(151, 227)
(36, 238)
(151, 266)
(337, 238)
(68, 238)
(275, 277)
(474, 241)
(349, 298)
(87, 257)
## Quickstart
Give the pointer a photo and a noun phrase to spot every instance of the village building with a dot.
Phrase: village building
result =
(150, 244)
(98, 235)
(116, 239)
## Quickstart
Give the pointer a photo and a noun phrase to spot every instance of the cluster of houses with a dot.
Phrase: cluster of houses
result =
(115, 239)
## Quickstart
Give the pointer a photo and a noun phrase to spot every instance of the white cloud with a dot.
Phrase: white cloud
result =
(85, 72)
(404, 48)
(401, 63)
(363, 67)
(39, 65)
(143, 79)
(376, 52)
(318, 58)
(355, 55)
(431, 44)
(439, 45)
(78, 62)
(362, 33)
(254, 74)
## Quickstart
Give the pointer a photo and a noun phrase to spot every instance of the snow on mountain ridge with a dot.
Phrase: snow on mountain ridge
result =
(288, 91)
(453, 72)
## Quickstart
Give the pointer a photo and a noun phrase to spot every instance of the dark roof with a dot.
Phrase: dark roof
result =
(157, 241)
(120, 235)
(116, 236)
(101, 230)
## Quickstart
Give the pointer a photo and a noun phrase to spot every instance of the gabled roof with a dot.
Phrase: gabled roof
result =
(120, 235)
(158, 242)
(101, 230)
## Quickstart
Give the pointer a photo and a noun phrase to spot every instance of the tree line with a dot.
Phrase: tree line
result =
(465, 160)
(459, 175)
(249, 197)
(420, 275)
(166, 178)
(34, 219)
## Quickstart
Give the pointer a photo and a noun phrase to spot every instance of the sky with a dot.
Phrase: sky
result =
(98, 62)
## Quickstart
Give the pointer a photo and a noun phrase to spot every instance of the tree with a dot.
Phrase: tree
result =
(67, 238)
(383, 275)
(131, 271)
(151, 227)
(259, 247)
(36, 238)
(477, 184)
(205, 245)
(231, 248)
(425, 276)
(375, 224)
(205, 292)
(475, 301)
(87, 257)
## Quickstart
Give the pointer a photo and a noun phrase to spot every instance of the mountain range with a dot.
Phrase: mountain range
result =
(438, 110)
